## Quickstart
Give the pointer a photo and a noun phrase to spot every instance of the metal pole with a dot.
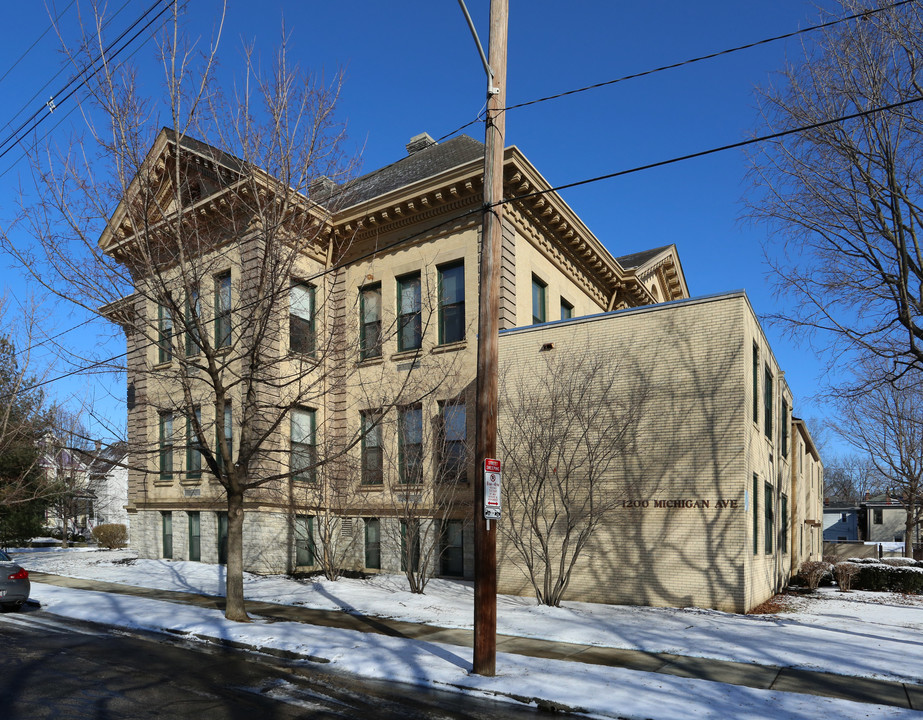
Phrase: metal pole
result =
(485, 535)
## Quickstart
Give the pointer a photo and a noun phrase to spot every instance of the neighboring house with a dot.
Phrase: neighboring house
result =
(731, 440)
(108, 477)
(841, 523)
(72, 501)
(884, 518)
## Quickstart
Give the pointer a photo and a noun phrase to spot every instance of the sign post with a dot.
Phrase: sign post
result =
(492, 507)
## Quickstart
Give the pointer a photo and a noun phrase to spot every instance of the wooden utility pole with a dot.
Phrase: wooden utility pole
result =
(485, 540)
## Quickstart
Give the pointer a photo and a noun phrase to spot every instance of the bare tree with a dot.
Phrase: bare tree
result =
(563, 433)
(66, 473)
(885, 423)
(849, 478)
(213, 259)
(843, 199)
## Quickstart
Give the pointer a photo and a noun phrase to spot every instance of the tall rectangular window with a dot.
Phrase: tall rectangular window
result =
(228, 437)
(454, 450)
(784, 420)
(539, 288)
(410, 545)
(193, 454)
(303, 458)
(756, 384)
(768, 519)
(166, 529)
(304, 540)
(372, 456)
(756, 514)
(373, 543)
(164, 335)
(451, 303)
(767, 403)
(301, 313)
(195, 536)
(166, 446)
(223, 310)
(567, 310)
(193, 314)
(222, 518)
(409, 302)
(370, 322)
(877, 516)
(410, 443)
(783, 520)
(452, 547)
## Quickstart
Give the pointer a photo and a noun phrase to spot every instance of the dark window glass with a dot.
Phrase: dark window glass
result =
(193, 314)
(756, 514)
(165, 335)
(410, 431)
(303, 458)
(167, 533)
(370, 322)
(784, 421)
(756, 384)
(567, 310)
(228, 437)
(193, 454)
(195, 537)
(301, 330)
(877, 518)
(538, 301)
(410, 329)
(166, 446)
(373, 543)
(304, 540)
(223, 310)
(767, 403)
(453, 550)
(452, 303)
(783, 520)
(372, 459)
(454, 451)
(768, 518)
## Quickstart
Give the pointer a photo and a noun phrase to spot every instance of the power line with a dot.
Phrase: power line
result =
(712, 151)
(36, 42)
(713, 55)
(87, 73)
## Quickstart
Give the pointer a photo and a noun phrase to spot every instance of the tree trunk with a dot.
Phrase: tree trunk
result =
(234, 592)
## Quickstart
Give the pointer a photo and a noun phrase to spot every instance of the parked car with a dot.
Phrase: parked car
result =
(14, 583)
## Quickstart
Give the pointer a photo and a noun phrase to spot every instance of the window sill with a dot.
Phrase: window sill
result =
(450, 347)
(163, 483)
(191, 481)
(406, 354)
(370, 361)
(163, 365)
(369, 487)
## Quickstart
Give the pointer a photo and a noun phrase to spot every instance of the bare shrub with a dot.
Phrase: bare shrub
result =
(844, 573)
(112, 536)
(813, 571)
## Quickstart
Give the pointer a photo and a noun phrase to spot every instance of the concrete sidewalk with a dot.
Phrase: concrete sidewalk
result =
(881, 692)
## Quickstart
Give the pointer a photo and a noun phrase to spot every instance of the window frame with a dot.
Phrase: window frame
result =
(372, 448)
(769, 519)
(567, 310)
(369, 329)
(372, 546)
(193, 450)
(410, 454)
(193, 315)
(454, 553)
(223, 309)
(756, 384)
(194, 521)
(302, 332)
(165, 462)
(878, 516)
(768, 398)
(783, 523)
(299, 448)
(166, 524)
(756, 514)
(783, 429)
(413, 553)
(414, 316)
(164, 335)
(304, 541)
(228, 435)
(540, 287)
(459, 473)
(458, 305)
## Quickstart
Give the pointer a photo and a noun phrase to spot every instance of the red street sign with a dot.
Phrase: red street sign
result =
(491, 465)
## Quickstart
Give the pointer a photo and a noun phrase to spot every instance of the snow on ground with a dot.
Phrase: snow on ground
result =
(863, 634)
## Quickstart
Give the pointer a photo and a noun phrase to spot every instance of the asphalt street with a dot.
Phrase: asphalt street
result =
(53, 667)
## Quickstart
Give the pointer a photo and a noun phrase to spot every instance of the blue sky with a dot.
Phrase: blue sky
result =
(411, 66)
